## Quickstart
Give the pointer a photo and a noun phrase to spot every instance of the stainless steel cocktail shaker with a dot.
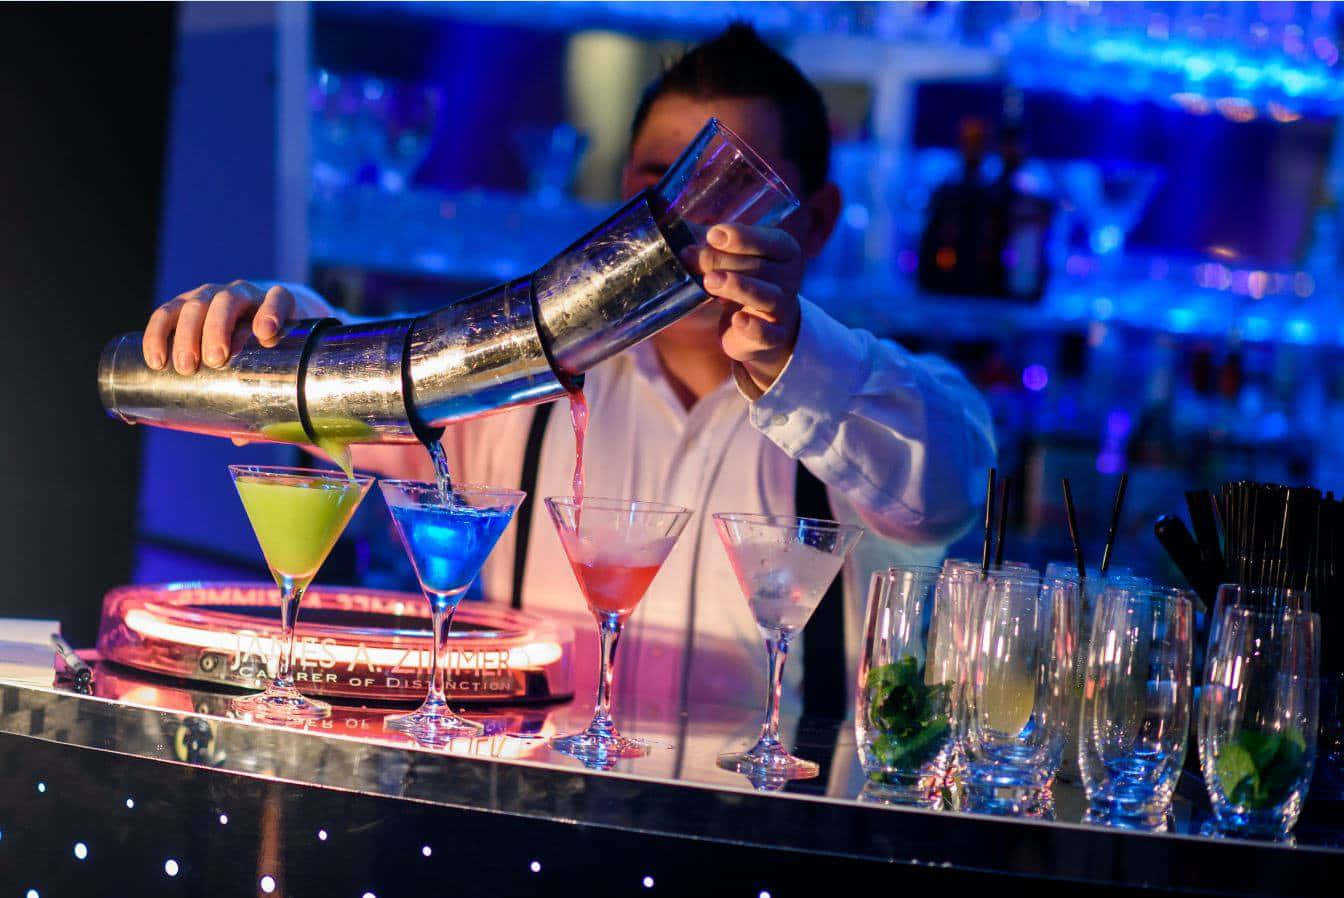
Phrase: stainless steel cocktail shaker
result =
(514, 344)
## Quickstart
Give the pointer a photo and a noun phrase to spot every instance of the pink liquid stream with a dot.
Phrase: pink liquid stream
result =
(578, 415)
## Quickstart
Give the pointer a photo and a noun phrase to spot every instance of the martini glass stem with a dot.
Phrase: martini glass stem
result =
(441, 615)
(777, 652)
(290, 594)
(609, 632)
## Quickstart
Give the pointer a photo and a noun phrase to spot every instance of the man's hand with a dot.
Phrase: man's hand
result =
(755, 273)
(201, 322)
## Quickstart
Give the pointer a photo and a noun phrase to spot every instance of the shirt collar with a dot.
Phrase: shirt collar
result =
(646, 363)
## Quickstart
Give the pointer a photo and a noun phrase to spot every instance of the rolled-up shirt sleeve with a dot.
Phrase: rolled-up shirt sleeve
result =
(308, 303)
(904, 437)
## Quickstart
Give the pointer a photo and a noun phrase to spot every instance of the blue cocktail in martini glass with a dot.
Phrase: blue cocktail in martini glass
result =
(447, 536)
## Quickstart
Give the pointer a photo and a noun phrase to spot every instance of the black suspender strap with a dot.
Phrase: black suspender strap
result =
(824, 639)
(528, 484)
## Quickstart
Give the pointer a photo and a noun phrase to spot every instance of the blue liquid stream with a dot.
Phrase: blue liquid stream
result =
(447, 546)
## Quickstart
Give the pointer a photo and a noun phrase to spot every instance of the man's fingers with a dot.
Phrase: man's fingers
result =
(187, 337)
(200, 324)
(746, 336)
(154, 344)
(276, 309)
(755, 330)
(227, 306)
(757, 297)
(709, 259)
(771, 243)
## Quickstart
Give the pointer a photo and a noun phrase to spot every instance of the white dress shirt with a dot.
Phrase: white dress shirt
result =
(901, 441)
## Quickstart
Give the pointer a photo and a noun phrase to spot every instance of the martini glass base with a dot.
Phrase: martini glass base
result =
(589, 746)
(771, 766)
(435, 726)
(280, 704)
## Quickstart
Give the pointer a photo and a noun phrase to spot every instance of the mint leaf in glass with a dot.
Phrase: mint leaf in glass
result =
(908, 714)
(1236, 772)
(1261, 768)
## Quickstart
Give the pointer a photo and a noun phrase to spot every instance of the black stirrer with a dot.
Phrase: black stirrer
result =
(1115, 523)
(1219, 533)
(989, 524)
(1003, 519)
(1073, 531)
(1172, 534)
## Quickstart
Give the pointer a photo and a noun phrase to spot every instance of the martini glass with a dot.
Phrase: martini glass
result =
(615, 547)
(297, 514)
(447, 537)
(784, 565)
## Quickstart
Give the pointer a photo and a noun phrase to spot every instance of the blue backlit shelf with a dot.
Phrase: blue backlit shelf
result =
(486, 237)
(678, 18)
(473, 235)
(1282, 60)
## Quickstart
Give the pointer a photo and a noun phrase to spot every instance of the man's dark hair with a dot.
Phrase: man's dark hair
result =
(738, 63)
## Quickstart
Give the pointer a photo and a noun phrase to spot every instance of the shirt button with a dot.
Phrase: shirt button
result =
(779, 420)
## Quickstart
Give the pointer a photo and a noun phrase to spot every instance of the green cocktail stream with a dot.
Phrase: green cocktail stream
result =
(334, 437)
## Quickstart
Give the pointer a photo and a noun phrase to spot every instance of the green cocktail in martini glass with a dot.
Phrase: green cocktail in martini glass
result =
(297, 514)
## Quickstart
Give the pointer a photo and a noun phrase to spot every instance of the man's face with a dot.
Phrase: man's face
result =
(673, 120)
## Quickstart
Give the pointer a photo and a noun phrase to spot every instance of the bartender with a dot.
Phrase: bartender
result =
(757, 402)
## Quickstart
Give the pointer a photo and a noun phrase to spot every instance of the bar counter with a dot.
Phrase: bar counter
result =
(158, 792)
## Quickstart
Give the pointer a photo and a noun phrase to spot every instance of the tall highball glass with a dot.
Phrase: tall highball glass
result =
(1135, 722)
(1020, 694)
(908, 672)
(1258, 720)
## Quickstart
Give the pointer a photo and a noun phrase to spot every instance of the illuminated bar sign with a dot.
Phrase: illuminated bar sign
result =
(351, 643)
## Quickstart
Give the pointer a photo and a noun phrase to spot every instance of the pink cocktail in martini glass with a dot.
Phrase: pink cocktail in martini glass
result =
(615, 547)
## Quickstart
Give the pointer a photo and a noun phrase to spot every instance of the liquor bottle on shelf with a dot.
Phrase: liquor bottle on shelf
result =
(986, 239)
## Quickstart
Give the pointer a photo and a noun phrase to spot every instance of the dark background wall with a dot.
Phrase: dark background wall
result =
(83, 99)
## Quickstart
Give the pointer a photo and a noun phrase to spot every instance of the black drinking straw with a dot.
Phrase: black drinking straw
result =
(1243, 534)
(1311, 579)
(1073, 531)
(989, 524)
(1003, 519)
(1219, 502)
(1115, 522)
(1204, 516)
(1304, 505)
(1250, 501)
(1281, 561)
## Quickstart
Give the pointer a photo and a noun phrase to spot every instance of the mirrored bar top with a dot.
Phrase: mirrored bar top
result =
(159, 779)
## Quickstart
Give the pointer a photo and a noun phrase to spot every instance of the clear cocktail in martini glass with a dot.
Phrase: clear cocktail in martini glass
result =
(297, 514)
(448, 537)
(785, 565)
(615, 547)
